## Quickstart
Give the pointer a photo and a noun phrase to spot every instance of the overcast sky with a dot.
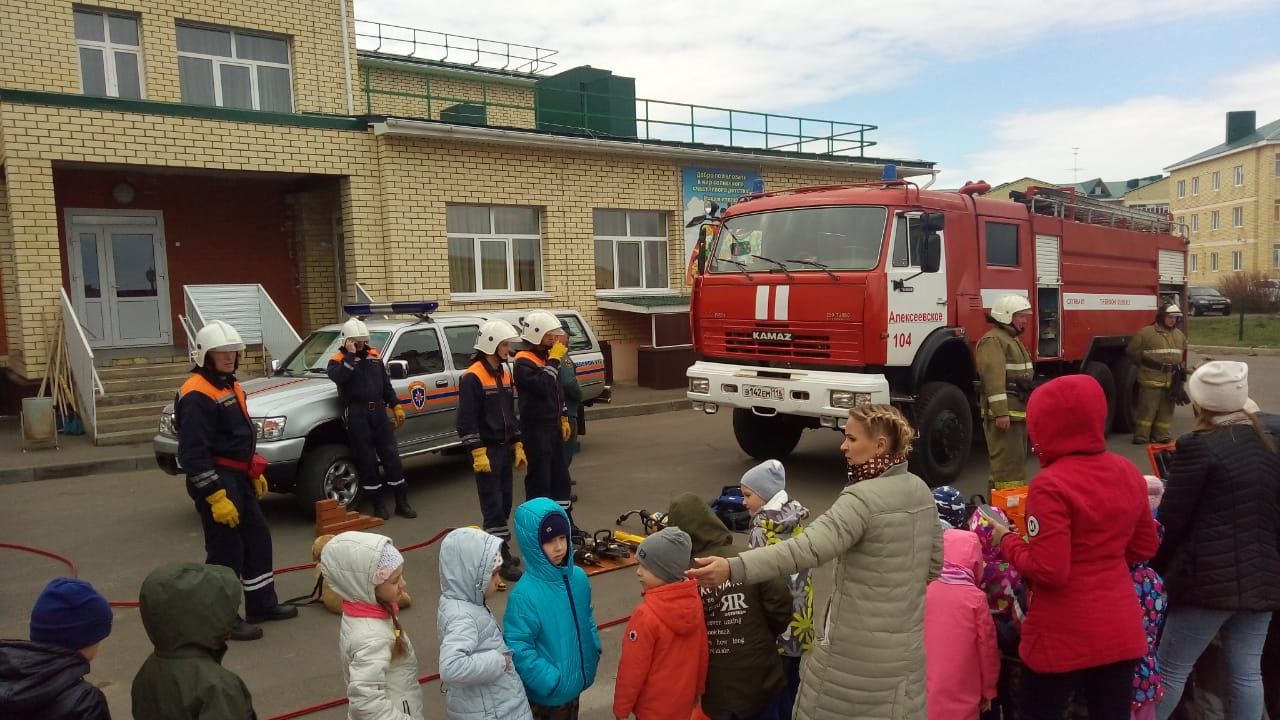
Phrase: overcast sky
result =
(991, 89)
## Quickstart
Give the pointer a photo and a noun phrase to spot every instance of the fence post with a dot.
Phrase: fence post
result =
(1244, 300)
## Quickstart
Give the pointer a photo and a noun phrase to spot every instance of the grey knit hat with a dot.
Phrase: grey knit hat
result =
(666, 553)
(766, 479)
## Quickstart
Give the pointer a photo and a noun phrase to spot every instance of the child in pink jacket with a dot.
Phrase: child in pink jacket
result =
(962, 662)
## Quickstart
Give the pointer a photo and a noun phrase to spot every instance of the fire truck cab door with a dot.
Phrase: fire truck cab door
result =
(917, 301)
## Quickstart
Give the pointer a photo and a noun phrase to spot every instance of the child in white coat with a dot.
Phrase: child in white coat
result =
(479, 678)
(378, 661)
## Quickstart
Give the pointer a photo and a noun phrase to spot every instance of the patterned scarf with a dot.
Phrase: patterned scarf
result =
(874, 467)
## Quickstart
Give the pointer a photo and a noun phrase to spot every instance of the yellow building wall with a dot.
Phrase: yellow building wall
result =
(8, 279)
(38, 45)
(385, 91)
(1255, 238)
(1155, 193)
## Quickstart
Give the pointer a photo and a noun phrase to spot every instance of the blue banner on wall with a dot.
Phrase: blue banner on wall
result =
(720, 185)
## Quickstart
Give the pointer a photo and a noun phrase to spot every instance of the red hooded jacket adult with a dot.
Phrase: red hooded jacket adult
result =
(1088, 519)
(663, 669)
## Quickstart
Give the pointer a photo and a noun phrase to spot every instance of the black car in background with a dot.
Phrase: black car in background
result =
(1207, 300)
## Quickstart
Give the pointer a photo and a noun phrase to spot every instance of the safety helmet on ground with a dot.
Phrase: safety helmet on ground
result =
(535, 325)
(1006, 306)
(216, 336)
(950, 504)
(492, 334)
(355, 329)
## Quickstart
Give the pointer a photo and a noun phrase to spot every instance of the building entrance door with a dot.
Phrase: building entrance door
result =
(119, 277)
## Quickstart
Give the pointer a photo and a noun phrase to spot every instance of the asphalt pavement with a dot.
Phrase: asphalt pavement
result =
(117, 527)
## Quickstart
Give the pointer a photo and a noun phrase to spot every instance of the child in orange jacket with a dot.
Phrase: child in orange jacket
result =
(663, 670)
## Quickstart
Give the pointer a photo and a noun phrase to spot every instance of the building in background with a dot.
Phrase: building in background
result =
(1228, 197)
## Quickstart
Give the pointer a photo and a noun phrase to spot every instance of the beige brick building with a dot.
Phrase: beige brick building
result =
(1229, 199)
(152, 145)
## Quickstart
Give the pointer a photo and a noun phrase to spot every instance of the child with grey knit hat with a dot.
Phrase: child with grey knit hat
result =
(775, 517)
(663, 670)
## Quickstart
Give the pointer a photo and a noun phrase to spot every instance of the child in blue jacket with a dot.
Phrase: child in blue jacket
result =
(549, 624)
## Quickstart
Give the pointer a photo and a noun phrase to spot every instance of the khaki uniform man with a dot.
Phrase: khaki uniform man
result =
(1005, 367)
(1157, 350)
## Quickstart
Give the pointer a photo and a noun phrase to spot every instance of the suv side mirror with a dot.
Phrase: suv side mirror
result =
(933, 222)
(398, 369)
(275, 366)
(931, 252)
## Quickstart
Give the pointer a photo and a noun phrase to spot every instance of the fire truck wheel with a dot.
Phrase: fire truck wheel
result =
(1100, 372)
(1126, 377)
(945, 423)
(765, 438)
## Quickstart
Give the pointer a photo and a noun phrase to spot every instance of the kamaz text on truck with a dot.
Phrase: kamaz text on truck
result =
(812, 301)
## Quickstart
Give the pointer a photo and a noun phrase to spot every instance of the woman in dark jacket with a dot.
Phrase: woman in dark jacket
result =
(1221, 552)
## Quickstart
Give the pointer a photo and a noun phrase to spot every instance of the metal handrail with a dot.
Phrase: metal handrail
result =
(278, 336)
(480, 52)
(83, 372)
(274, 331)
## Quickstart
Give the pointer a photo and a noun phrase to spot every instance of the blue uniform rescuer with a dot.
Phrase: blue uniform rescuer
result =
(543, 422)
(216, 443)
(365, 394)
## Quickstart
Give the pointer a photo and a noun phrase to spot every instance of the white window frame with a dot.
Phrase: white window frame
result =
(1238, 172)
(1275, 255)
(1195, 185)
(1278, 166)
(1214, 221)
(1195, 262)
(109, 50)
(253, 65)
(480, 294)
(1217, 180)
(617, 288)
(1275, 211)
(1182, 188)
(1237, 216)
(1237, 260)
(1213, 262)
(1195, 223)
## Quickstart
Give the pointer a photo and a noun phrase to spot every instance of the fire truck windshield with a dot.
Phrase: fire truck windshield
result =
(815, 239)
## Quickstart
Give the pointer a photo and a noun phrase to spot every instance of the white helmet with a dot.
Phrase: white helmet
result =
(537, 324)
(1006, 306)
(216, 336)
(355, 329)
(492, 334)
(1172, 309)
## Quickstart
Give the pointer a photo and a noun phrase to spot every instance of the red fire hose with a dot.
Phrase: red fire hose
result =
(310, 709)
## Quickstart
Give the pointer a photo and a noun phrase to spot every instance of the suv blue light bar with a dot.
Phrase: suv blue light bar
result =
(420, 308)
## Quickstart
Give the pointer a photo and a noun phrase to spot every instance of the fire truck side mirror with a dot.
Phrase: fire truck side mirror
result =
(933, 222)
(931, 253)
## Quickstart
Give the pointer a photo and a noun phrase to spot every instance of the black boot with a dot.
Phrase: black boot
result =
(403, 508)
(379, 506)
(244, 632)
(510, 570)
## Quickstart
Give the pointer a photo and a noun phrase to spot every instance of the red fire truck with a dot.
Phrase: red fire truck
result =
(811, 301)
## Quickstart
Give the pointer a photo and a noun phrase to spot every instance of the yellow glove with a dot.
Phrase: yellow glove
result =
(558, 351)
(522, 460)
(260, 486)
(480, 461)
(398, 411)
(564, 428)
(224, 511)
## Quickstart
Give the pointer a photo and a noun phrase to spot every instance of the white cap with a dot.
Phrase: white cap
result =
(1221, 386)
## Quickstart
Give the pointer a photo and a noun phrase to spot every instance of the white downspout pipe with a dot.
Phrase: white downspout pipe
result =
(346, 57)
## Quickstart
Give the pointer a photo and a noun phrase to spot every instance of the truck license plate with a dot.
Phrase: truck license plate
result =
(760, 392)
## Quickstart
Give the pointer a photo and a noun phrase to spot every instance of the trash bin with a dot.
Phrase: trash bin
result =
(39, 425)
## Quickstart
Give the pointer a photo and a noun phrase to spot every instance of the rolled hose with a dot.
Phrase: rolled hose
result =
(300, 712)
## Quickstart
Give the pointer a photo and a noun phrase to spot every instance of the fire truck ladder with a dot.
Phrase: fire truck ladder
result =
(1068, 205)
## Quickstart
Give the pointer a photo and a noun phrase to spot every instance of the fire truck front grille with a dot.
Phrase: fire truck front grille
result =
(778, 344)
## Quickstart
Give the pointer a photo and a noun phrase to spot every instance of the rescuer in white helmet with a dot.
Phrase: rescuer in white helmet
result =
(365, 394)
(216, 443)
(1157, 350)
(489, 430)
(544, 424)
(1006, 370)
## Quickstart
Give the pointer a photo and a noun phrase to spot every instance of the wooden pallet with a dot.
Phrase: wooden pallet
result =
(332, 518)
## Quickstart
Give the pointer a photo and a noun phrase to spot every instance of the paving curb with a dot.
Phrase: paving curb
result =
(148, 461)
(1230, 350)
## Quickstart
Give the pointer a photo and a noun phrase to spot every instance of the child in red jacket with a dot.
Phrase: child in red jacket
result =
(663, 670)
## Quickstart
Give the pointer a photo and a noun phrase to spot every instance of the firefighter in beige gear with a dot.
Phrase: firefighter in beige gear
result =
(1005, 368)
(1157, 350)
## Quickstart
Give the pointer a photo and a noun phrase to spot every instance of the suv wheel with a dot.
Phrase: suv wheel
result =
(327, 472)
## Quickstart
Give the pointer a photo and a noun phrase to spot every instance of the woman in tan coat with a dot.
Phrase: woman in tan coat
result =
(884, 535)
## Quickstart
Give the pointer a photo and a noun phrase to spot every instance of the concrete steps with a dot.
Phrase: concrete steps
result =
(136, 393)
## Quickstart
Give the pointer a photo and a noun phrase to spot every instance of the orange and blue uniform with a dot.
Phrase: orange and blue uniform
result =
(365, 393)
(487, 419)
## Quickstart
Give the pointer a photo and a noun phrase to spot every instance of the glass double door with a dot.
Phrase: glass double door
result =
(119, 278)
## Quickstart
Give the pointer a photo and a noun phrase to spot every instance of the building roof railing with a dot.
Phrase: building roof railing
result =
(453, 49)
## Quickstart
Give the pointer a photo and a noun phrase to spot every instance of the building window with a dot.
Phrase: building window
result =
(1237, 217)
(494, 249)
(1213, 220)
(1195, 262)
(1239, 175)
(1237, 260)
(631, 250)
(1278, 166)
(1213, 262)
(1195, 223)
(1275, 255)
(1275, 211)
(1217, 180)
(234, 69)
(110, 56)
(1182, 188)
(1195, 185)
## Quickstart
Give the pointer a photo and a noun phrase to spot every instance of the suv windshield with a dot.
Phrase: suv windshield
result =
(312, 356)
(806, 239)
(1204, 292)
